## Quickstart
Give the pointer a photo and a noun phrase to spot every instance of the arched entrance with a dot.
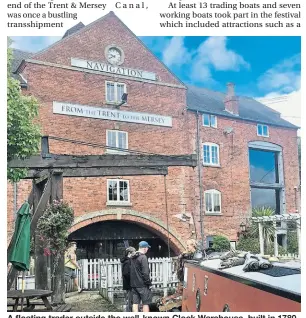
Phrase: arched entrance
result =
(109, 239)
(107, 233)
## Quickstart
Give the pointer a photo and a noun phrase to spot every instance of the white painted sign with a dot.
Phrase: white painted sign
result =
(111, 114)
(103, 67)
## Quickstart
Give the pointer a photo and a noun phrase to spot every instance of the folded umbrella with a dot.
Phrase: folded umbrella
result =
(19, 252)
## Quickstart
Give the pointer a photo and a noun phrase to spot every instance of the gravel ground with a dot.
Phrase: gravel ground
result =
(90, 301)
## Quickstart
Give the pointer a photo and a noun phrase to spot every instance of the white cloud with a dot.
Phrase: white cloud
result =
(214, 51)
(175, 52)
(211, 54)
(289, 105)
(33, 43)
(283, 78)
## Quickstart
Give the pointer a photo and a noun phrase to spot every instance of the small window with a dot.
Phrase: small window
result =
(262, 130)
(209, 241)
(209, 120)
(116, 139)
(118, 191)
(211, 154)
(114, 91)
(212, 201)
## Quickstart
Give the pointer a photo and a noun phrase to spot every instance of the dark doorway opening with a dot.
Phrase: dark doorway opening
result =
(109, 239)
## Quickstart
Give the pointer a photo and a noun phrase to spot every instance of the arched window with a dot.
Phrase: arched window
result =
(211, 154)
(212, 201)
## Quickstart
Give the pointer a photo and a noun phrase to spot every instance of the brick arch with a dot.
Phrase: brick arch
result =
(144, 220)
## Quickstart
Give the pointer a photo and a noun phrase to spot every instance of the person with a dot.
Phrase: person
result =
(71, 265)
(191, 248)
(175, 300)
(126, 268)
(140, 278)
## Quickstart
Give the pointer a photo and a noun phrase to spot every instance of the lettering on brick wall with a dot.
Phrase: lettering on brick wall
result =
(111, 114)
(102, 67)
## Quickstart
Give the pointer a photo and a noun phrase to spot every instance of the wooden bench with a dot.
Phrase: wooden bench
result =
(60, 308)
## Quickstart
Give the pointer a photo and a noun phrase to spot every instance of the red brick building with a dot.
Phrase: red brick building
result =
(248, 154)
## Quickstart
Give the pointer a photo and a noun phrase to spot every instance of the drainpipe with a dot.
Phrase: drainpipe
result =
(200, 183)
(15, 200)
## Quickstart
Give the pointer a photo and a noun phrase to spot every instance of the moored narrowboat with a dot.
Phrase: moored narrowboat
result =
(210, 289)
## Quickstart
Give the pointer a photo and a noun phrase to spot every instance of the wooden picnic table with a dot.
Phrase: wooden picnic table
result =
(30, 294)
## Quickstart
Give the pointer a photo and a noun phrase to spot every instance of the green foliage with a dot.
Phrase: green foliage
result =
(54, 225)
(221, 243)
(248, 244)
(251, 244)
(292, 243)
(268, 228)
(270, 250)
(23, 135)
(53, 228)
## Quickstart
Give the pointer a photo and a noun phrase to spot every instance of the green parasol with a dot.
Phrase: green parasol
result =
(19, 253)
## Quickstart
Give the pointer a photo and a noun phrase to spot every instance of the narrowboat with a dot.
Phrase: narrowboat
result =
(210, 289)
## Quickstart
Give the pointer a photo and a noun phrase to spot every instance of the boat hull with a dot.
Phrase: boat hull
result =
(208, 290)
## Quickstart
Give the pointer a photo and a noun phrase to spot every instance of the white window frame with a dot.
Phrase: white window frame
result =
(118, 202)
(209, 125)
(210, 144)
(212, 192)
(115, 88)
(262, 125)
(117, 142)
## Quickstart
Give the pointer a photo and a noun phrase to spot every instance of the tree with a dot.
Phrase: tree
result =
(23, 134)
(267, 227)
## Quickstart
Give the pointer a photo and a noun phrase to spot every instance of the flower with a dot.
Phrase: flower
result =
(47, 251)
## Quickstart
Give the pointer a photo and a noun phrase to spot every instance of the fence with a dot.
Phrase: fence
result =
(162, 271)
(105, 275)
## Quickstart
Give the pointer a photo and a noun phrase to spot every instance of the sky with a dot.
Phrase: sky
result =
(265, 68)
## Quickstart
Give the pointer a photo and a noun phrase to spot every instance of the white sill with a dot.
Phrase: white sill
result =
(210, 165)
(116, 103)
(213, 214)
(263, 136)
(116, 152)
(210, 126)
(115, 203)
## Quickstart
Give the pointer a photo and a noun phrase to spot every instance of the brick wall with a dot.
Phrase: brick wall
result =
(50, 83)
(232, 177)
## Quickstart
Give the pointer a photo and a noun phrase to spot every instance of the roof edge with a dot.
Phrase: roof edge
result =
(149, 50)
(63, 39)
(294, 127)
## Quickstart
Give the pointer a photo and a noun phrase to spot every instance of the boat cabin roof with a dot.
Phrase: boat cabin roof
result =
(289, 283)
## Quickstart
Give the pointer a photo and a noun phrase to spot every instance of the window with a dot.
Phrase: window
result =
(209, 241)
(114, 91)
(209, 120)
(211, 154)
(266, 176)
(212, 201)
(263, 166)
(265, 197)
(262, 130)
(118, 191)
(116, 139)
